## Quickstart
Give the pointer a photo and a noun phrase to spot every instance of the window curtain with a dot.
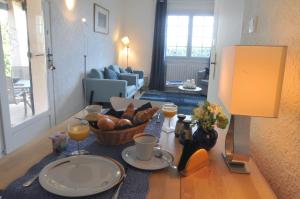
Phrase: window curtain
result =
(158, 66)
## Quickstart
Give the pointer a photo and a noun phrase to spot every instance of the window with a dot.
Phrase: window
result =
(177, 35)
(189, 36)
(202, 36)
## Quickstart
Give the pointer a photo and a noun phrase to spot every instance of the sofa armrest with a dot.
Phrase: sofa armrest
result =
(140, 73)
(132, 79)
(104, 89)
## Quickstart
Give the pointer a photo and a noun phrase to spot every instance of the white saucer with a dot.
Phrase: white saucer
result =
(155, 163)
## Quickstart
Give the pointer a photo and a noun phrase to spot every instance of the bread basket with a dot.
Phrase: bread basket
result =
(117, 137)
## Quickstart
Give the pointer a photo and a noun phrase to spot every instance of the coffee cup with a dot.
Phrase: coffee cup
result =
(144, 144)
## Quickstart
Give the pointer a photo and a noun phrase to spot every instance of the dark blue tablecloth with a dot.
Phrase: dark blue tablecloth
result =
(135, 185)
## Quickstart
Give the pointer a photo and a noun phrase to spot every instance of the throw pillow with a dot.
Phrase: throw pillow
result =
(110, 74)
(94, 73)
(122, 70)
(115, 68)
(129, 69)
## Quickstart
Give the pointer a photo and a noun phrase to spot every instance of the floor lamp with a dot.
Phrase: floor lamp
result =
(83, 20)
(126, 41)
(250, 85)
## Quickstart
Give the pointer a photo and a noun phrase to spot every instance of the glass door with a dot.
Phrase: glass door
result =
(26, 100)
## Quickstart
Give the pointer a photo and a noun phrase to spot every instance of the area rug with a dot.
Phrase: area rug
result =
(186, 102)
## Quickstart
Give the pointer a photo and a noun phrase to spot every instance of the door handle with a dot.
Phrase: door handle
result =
(52, 67)
(39, 55)
(50, 61)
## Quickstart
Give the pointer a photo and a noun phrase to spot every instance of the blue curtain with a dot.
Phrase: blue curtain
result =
(158, 66)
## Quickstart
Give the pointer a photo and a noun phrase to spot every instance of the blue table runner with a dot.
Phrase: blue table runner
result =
(135, 185)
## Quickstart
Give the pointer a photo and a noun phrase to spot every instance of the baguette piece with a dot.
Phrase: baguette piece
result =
(129, 112)
(144, 116)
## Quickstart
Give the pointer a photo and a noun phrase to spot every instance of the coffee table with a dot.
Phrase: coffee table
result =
(197, 89)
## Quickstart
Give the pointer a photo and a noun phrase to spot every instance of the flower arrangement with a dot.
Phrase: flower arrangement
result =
(209, 116)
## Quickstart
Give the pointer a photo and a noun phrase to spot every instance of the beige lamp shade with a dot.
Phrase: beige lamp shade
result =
(125, 41)
(251, 79)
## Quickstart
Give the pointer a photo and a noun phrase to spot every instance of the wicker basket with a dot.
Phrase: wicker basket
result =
(117, 137)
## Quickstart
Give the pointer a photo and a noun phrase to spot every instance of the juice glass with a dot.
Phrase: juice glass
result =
(78, 130)
(169, 111)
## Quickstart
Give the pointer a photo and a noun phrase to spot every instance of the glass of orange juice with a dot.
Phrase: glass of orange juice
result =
(169, 111)
(78, 130)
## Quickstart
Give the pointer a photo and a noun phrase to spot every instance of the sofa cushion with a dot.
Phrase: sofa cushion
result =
(131, 90)
(122, 70)
(129, 69)
(110, 74)
(115, 68)
(95, 73)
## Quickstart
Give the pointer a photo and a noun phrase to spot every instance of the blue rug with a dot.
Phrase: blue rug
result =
(185, 102)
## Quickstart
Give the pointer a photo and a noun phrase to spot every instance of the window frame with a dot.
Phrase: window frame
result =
(190, 38)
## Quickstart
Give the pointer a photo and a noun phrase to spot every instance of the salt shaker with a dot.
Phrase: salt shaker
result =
(179, 124)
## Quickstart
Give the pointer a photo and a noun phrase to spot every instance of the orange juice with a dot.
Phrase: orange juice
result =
(169, 113)
(79, 132)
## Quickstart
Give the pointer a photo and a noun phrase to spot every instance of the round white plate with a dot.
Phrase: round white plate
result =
(129, 156)
(81, 175)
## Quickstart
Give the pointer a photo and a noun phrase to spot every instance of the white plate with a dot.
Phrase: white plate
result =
(81, 175)
(129, 156)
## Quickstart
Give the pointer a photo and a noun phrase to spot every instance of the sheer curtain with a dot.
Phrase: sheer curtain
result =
(158, 66)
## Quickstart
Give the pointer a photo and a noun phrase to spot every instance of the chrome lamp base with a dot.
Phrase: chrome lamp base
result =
(235, 166)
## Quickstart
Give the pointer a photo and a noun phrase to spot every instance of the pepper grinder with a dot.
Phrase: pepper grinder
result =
(186, 134)
(179, 124)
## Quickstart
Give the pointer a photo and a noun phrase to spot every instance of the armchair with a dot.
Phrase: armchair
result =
(140, 80)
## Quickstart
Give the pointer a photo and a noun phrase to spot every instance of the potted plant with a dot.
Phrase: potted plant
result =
(208, 116)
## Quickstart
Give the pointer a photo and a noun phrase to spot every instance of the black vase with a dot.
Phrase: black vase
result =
(204, 138)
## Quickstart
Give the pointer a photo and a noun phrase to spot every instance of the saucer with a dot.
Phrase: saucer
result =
(155, 163)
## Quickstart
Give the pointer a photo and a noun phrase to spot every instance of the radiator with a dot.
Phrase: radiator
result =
(185, 69)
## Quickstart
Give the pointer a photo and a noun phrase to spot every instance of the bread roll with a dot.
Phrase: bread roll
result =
(106, 124)
(113, 118)
(123, 124)
(129, 112)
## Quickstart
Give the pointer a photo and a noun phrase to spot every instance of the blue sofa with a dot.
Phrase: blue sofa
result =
(126, 85)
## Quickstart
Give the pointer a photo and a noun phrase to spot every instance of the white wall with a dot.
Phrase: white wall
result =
(228, 30)
(1, 136)
(275, 143)
(69, 36)
(138, 25)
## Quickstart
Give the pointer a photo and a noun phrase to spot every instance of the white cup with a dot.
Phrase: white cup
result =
(93, 108)
(144, 144)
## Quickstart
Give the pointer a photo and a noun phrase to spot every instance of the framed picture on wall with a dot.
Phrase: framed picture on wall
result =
(101, 19)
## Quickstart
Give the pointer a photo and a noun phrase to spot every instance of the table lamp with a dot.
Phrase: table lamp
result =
(250, 85)
(126, 41)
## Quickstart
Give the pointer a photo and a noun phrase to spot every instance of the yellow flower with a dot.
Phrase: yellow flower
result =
(214, 108)
(198, 113)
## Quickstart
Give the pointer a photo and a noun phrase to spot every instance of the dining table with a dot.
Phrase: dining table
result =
(214, 181)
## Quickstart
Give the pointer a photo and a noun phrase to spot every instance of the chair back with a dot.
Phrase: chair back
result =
(10, 90)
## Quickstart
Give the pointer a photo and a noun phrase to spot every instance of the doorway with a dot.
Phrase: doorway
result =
(26, 86)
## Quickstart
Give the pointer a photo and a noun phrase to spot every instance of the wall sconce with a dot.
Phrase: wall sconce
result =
(70, 4)
(250, 86)
(126, 41)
